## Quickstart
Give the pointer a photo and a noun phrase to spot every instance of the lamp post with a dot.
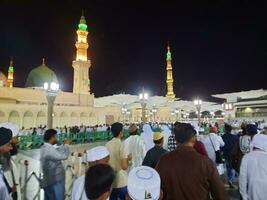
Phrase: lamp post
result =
(51, 91)
(172, 114)
(143, 97)
(128, 114)
(198, 103)
(228, 107)
(154, 111)
(124, 112)
(176, 111)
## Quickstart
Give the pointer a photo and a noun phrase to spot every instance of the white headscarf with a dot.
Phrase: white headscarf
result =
(260, 141)
(167, 133)
(147, 134)
(13, 127)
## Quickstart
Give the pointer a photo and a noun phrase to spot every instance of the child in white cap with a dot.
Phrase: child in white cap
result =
(144, 183)
(96, 155)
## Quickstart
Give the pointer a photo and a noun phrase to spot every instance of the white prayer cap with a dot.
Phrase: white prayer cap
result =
(13, 127)
(201, 130)
(260, 141)
(144, 183)
(96, 153)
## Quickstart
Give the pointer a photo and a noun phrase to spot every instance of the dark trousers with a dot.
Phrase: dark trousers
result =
(54, 191)
(118, 193)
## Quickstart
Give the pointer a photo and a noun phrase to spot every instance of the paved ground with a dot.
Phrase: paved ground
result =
(34, 166)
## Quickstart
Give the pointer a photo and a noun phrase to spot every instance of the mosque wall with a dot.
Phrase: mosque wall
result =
(35, 115)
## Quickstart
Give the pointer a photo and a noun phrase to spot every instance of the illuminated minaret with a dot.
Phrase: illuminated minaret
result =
(10, 78)
(169, 80)
(81, 82)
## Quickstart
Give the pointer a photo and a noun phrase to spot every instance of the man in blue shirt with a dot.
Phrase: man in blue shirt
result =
(229, 140)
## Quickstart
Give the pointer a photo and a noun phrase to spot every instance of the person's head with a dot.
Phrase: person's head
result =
(158, 138)
(98, 181)
(133, 129)
(116, 130)
(185, 134)
(97, 155)
(5, 140)
(213, 129)
(143, 183)
(227, 128)
(259, 141)
(14, 129)
(251, 129)
(50, 136)
(201, 131)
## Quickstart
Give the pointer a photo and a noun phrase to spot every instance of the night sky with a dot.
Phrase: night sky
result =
(217, 46)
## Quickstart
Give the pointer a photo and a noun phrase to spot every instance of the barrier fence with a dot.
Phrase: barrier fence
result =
(35, 141)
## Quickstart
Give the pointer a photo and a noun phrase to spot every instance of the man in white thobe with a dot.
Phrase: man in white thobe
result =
(212, 143)
(166, 134)
(94, 156)
(147, 135)
(253, 172)
(136, 146)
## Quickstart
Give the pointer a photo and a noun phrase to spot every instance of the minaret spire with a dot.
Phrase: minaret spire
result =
(81, 65)
(10, 76)
(169, 80)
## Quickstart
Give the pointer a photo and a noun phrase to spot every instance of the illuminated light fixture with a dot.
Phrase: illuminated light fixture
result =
(82, 26)
(11, 69)
(228, 106)
(169, 56)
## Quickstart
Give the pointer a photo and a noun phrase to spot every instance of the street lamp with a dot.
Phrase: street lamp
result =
(143, 97)
(154, 111)
(198, 103)
(176, 111)
(51, 91)
(128, 114)
(124, 112)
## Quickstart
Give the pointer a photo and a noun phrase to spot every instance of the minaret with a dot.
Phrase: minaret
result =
(10, 77)
(81, 82)
(169, 80)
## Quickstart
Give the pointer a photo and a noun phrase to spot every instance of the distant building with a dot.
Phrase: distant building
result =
(28, 106)
(246, 104)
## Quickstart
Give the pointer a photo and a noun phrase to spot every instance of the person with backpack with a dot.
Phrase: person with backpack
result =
(242, 146)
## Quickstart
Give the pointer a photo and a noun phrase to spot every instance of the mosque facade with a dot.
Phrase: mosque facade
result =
(27, 106)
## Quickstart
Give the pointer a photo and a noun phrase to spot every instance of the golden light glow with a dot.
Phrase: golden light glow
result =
(169, 80)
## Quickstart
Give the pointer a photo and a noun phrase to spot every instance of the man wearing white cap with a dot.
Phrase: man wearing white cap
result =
(12, 175)
(253, 174)
(153, 155)
(144, 183)
(97, 155)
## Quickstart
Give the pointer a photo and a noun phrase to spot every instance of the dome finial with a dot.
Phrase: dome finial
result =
(11, 61)
(43, 63)
(82, 12)
(82, 20)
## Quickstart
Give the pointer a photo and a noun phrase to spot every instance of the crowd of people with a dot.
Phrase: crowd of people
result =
(40, 130)
(166, 161)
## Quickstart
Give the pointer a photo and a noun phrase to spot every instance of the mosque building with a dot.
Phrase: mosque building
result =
(27, 106)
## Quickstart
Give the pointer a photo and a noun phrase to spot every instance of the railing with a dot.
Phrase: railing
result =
(73, 170)
(35, 141)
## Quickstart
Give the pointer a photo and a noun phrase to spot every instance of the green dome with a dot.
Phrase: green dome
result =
(39, 75)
